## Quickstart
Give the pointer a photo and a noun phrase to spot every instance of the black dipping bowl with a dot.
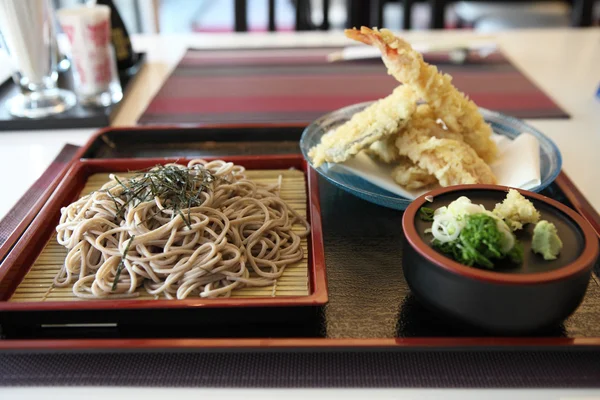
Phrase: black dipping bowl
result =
(508, 299)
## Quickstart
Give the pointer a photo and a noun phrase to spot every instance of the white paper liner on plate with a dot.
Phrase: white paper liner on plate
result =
(518, 165)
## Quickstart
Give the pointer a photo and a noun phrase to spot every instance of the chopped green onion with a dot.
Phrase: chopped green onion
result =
(426, 214)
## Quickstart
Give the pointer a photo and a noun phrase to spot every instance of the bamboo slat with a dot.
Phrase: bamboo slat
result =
(38, 283)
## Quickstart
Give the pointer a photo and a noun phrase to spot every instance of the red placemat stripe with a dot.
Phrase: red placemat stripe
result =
(287, 85)
(237, 118)
(249, 86)
(183, 105)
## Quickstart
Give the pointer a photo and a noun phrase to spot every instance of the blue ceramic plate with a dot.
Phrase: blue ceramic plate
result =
(550, 159)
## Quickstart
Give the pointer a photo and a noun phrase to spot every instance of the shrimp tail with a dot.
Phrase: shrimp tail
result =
(458, 112)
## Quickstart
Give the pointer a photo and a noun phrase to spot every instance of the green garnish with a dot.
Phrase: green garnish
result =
(178, 188)
(479, 243)
(426, 214)
(546, 241)
(121, 265)
(516, 253)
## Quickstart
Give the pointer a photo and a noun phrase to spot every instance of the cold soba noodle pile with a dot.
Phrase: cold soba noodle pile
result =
(178, 231)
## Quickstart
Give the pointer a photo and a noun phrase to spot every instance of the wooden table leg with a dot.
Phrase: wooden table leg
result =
(325, 24)
(241, 15)
(359, 13)
(303, 17)
(582, 13)
(272, 27)
(407, 14)
(438, 13)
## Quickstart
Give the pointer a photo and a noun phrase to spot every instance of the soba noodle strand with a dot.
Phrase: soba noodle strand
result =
(177, 232)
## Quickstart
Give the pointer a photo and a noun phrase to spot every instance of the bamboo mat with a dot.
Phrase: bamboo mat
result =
(38, 283)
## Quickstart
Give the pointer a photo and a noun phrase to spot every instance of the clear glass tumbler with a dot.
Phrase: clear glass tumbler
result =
(28, 35)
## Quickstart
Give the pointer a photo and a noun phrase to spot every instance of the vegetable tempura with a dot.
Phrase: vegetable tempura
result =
(378, 121)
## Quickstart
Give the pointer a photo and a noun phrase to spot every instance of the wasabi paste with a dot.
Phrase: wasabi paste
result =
(546, 241)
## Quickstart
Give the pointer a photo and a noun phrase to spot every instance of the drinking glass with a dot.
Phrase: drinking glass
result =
(95, 69)
(28, 36)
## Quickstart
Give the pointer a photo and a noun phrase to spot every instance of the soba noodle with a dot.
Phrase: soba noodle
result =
(178, 232)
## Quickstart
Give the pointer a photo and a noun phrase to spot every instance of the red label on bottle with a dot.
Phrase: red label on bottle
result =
(102, 71)
(99, 33)
(69, 31)
(81, 73)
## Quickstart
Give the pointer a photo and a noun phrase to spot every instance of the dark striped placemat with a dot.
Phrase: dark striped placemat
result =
(299, 85)
(355, 369)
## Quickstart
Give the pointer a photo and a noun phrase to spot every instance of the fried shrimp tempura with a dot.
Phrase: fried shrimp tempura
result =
(460, 114)
(376, 122)
(423, 118)
(452, 162)
(385, 150)
(411, 176)
(441, 153)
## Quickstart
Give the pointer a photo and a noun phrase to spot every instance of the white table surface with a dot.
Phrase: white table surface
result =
(102, 393)
(565, 63)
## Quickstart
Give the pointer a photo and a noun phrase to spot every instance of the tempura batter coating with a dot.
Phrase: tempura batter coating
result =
(376, 122)
(451, 161)
(441, 153)
(460, 114)
(517, 211)
(385, 149)
(411, 176)
(423, 118)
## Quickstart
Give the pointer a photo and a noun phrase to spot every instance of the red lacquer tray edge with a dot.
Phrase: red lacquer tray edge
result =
(98, 136)
(11, 270)
(579, 202)
(15, 236)
(174, 345)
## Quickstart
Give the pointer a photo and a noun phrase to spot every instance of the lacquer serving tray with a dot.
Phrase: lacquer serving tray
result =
(27, 292)
(158, 142)
(208, 140)
(370, 306)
